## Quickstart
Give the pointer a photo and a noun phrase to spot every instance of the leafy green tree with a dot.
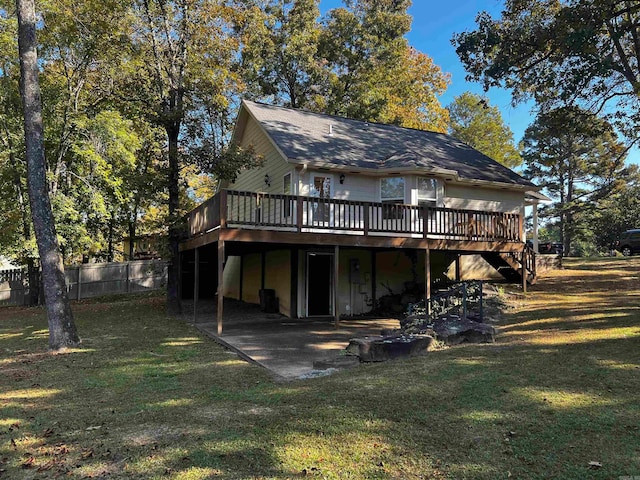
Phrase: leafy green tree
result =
(184, 60)
(280, 53)
(107, 154)
(616, 213)
(373, 74)
(81, 44)
(578, 159)
(561, 52)
(480, 125)
(411, 96)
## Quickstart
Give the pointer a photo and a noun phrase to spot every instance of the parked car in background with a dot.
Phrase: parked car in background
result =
(629, 242)
(555, 248)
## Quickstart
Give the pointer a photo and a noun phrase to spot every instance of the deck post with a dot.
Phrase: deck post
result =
(223, 209)
(293, 305)
(458, 267)
(425, 221)
(366, 208)
(263, 269)
(299, 213)
(521, 226)
(196, 283)
(535, 227)
(427, 280)
(524, 272)
(220, 285)
(373, 279)
(336, 274)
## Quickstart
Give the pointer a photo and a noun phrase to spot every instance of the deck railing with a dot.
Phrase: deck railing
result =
(237, 209)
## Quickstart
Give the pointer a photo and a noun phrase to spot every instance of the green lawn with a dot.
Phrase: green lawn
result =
(148, 397)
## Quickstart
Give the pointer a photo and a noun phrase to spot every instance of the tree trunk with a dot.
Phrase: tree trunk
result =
(173, 300)
(110, 248)
(62, 329)
(132, 236)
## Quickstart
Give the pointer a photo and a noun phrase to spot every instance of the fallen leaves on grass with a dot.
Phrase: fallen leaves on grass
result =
(86, 453)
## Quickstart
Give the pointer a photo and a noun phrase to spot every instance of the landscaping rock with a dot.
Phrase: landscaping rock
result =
(391, 332)
(454, 331)
(380, 349)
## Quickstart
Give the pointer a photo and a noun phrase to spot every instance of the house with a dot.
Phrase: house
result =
(143, 247)
(342, 211)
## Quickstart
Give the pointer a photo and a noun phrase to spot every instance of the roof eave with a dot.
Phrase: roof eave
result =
(447, 174)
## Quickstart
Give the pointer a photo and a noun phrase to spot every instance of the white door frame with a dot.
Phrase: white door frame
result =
(332, 303)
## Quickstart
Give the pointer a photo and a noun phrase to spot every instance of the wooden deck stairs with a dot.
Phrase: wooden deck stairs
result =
(512, 265)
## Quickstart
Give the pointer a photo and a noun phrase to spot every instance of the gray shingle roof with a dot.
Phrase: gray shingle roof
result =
(318, 139)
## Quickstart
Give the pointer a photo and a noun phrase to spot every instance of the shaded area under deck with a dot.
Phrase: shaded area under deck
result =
(286, 347)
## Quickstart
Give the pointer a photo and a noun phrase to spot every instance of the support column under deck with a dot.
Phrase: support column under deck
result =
(427, 280)
(523, 270)
(373, 279)
(220, 285)
(196, 283)
(336, 276)
(535, 227)
(293, 305)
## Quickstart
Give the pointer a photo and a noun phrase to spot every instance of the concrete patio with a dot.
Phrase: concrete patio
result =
(286, 347)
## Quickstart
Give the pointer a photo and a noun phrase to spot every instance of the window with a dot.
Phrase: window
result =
(427, 192)
(321, 188)
(392, 190)
(286, 190)
(392, 195)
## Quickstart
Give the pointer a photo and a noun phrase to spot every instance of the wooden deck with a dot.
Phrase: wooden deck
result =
(233, 218)
(260, 217)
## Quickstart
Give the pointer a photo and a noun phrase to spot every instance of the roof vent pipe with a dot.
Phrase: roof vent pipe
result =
(330, 130)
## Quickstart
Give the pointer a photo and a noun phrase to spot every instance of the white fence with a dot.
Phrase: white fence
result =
(13, 287)
(91, 280)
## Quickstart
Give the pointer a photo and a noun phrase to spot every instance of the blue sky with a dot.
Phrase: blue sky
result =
(434, 23)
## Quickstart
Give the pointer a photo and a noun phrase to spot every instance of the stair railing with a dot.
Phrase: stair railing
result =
(464, 299)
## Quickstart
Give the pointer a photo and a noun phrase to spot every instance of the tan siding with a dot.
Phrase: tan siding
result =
(355, 187)
(274, 165)
(393, 269)
(278, 277)
(474, 267)
(251, 278)
(479, 198)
